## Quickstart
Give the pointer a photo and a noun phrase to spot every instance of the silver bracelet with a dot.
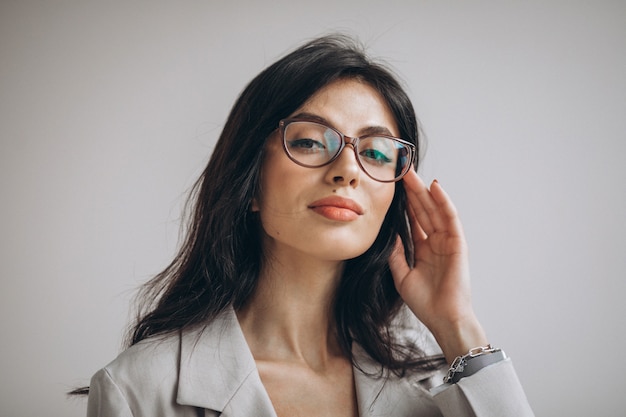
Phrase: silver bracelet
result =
(472, 362)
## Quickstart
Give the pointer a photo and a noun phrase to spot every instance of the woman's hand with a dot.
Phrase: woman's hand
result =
(437, 287)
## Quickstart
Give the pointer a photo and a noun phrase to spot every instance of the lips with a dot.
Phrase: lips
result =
(337, 208)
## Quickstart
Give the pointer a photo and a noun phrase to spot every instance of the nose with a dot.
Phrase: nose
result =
(345, 170)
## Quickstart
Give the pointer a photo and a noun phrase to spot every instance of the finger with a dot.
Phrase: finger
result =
(397, 262)
(447, 208)
(418, 219)
(427, 209)
(417, 232)
(417, 196)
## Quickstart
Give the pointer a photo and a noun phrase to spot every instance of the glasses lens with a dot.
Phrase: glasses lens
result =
(311, 144)
(384, 159)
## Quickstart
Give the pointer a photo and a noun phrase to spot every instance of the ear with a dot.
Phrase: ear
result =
(254, 206)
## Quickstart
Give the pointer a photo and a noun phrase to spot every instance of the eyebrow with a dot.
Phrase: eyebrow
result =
(369, 130)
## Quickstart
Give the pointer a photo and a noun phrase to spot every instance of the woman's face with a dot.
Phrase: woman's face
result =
(334, 212)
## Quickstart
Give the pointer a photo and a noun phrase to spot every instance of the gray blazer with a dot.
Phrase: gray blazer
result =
(211, 372)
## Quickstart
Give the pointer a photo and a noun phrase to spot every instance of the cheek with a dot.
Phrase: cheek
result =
(382, 200)
(268, 178)
(278, 199)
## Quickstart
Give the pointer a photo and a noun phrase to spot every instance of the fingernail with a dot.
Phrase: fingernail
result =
(435, 180)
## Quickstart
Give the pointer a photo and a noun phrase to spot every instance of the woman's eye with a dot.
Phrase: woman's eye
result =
(306, 145)
(375, 156)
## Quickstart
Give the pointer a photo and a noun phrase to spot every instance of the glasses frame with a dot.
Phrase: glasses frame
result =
(345, 140)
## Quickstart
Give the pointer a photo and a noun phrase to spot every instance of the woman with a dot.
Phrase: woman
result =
(311, 235)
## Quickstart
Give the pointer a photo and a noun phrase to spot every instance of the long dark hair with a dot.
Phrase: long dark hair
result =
(219, 261)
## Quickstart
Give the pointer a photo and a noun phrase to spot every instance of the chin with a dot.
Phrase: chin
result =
(344, 254)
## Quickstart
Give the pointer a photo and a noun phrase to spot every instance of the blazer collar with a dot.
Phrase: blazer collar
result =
(218, 372)
(381, 393)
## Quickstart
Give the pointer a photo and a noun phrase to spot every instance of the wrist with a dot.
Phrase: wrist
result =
(472, 362)
(457, 338)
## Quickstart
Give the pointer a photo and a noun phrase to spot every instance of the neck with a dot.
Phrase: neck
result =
(290, 316)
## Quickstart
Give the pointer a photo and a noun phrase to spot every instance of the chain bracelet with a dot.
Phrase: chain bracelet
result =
(460, 362)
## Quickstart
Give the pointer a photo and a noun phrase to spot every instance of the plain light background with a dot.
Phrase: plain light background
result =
(109, 111)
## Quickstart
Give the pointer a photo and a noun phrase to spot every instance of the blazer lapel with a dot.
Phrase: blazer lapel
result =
(384, 394)
(218, 372)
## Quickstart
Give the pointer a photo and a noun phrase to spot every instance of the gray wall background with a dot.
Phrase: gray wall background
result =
(109, 110)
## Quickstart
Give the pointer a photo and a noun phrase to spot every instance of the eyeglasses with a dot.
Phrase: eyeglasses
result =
(313, 145)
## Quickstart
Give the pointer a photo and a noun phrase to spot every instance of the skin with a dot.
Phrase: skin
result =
(437, 289)
(288, 321)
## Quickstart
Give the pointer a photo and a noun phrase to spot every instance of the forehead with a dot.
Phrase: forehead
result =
(351, 106)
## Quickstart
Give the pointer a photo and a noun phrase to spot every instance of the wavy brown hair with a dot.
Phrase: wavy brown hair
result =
(219, 261)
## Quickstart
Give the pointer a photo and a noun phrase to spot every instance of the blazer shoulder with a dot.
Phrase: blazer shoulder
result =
(154, 360)
(142, 381)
